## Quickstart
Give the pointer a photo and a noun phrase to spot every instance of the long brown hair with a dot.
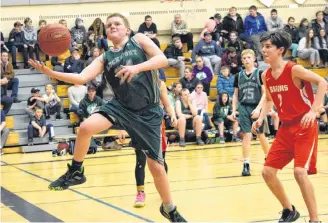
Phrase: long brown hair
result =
(101, 27)
(309, 41)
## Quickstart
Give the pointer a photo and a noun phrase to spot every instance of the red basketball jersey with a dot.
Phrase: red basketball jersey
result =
(291, 102)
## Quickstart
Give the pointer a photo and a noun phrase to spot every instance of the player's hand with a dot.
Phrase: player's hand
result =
(234, 114)
(257, 124)
(308, 119)
(121, 136)
(40, 66)
(174, 121)
(127, 73)
(255, 113)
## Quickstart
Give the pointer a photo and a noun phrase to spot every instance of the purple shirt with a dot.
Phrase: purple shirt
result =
(204, 75)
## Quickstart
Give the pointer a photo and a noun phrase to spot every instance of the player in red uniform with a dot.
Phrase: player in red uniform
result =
(288, 87)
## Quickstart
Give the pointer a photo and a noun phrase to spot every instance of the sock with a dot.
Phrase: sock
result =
(274, 132)
(198, 137)
(141, 188)
(76, 165)
(168, 207)
(182, 139)
(246, 160)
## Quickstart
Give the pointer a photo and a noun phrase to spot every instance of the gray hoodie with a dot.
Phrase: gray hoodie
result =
(30, 35)
(78, 32)
(274, 25)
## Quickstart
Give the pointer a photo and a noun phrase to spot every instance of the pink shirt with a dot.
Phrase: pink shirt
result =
(200, 100)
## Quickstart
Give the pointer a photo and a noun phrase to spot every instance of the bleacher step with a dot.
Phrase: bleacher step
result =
(39, 148)
(55, 123)
(32, 77)
(35, 83)
(27, 72)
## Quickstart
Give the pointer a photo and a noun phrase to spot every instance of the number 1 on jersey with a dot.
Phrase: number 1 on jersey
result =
(280, 101)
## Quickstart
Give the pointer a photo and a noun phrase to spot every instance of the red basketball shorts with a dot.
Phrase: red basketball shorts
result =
(294, 142)
(164, 143)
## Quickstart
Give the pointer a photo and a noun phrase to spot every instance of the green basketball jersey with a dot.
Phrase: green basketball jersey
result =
(250, 91)
(143, 91)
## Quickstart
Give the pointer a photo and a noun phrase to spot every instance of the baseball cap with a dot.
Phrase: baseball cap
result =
(35, 90)
(91, 88)
(217, 16)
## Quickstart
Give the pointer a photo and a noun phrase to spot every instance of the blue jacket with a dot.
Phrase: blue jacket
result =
(226, 84)
(255, 25)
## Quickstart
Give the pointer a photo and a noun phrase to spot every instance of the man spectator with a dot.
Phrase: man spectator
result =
(215, 27)
(18, 42)
(74, 64)
(189, 81)
(174, 54)
(274, 23)
(149, 29)
(234, 22)
(4, 131)
(179, 27)
(7, 71)
(209, 51)
(230, 59)
(254, 26)
(34, 101)
(89, 103)
(319, 23)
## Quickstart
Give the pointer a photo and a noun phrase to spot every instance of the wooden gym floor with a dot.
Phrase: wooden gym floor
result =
(205, 183)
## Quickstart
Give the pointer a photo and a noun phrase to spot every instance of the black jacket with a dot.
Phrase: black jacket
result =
(293, 31)
(316, 27)
(17, 38)
(73, 66)
(231, 25)
(237, 45)
(190, 85)
(172, 52)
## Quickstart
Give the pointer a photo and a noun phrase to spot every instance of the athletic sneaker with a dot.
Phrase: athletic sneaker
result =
(246, 170)
(222, 141)
(172, 216)
(200, 142)
(70, 178)
(140, 200)
(182, 143)
(289, 216)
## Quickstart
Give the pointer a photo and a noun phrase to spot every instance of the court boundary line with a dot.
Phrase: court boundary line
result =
(87, 196)
(302, 216)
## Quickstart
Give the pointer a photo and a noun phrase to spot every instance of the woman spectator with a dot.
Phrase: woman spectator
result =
(100, 36)
(321, 44)
(293, 31)
(75, 95)
(199, 98)
(203, 73)
(306, 50)
(319, 23)
(174, 93)
(303, 27)
(30, 34)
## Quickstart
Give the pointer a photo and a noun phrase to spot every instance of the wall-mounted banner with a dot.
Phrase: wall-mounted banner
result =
(267, 3)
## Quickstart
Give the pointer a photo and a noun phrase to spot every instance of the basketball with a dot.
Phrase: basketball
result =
(62, 147)
(54, 39)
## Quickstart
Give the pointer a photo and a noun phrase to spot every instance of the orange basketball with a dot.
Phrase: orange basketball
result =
(54, 39)
(62, 146)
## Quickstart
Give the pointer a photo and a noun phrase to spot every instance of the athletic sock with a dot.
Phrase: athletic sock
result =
(141, 188)
(168, 207)
(274, 132)
(198, 137)
(76, 165)
(246, 160)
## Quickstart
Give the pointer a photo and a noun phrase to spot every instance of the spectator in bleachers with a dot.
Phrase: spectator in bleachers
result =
(174, 54)
(274, 22)
(225, 82)
(325, 13)
(179, 27)
(52, 102)
(75, 95)
(237, 44)
(189, 81)
(42, 24)
(89, 103)
(31, 37)
(38, 127)
(319, 23)
(7, 71)
(90, 45)
(203, 74)
(174, 94)
(149, 29)
(18, 42)
(4, 131)
(230, 59)
(59, 61)
(63, 22)
(222, 117)
(6, 101)
(234, 22)
(293, 31)
(215, 27)
(100, 37)
(209, 51)
(306, 49)
(2, 43)
(188, 118)
(79, 34)
(95, 52)
(34, 101)
(74, 64)
(321, 44)
(303, 27)
(325, 107)
(161, 74)
(254, 27)
(200, 100)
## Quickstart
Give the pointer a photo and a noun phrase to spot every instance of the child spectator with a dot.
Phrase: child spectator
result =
(34, 101)
(4, 131)
(293, 32)
(321, 44)
(230, 59)
(38, 127)
(179, 27)
(274, 23)
(174, 54)
(59, 62)
(199, 98)
(18, 42)
(189, 81)
(233, 22)
(225, 82)
(222, 117)
(303, 27)
(53, 103)
(149, 29)
(306, 50)
(237, 44)
(89, 103)
(203, 74)
(100, 37)
(76, 93)
(31, 37)
(74, 64)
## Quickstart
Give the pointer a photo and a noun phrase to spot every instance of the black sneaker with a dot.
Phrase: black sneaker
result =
(16, 100)
(30, 142)
(289, 216)
(54, 153)
(246, 170)
(58, 117)
(173, 216)
(200, 142)
(48, 117)
(182, 143)
(70, 178)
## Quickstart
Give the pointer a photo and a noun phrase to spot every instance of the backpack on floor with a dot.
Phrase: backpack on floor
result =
(210, 136)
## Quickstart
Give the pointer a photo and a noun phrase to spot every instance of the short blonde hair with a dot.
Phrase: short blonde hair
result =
(248, 51)
(125, 20)
(49, 85)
